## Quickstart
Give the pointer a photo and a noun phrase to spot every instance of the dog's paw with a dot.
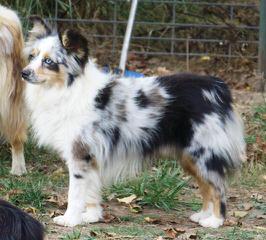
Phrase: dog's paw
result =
(196, 217)
(211, 222)
(67, 221)
(18, 170)
(92, 215)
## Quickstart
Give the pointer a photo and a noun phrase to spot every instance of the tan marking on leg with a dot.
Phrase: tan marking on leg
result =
(205, 188)
(216, 204)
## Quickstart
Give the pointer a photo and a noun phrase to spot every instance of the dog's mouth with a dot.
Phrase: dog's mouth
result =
(34, 82)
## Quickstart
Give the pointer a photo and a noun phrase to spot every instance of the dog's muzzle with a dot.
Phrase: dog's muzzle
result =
(26, 74)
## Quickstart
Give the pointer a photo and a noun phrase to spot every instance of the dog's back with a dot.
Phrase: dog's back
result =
(12, 112)
(18, 225)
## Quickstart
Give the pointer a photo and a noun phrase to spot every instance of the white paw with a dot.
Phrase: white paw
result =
(196, 217)
(211, 222)
(18, 170)
(92, 215)
(67, 221)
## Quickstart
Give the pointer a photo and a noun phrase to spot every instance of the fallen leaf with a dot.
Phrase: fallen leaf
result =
(170, 233)
(55, 213)
(230, 222)
(32, 210)
(127, 200)
(261, 216)
(260, 228)
(163, 71)
(135, 208)
(93, 234)
(180, 230)
(240, 214)
(57, 200)
(188, 235)
(108, 218)
(205, 58)
(59, 172)
(247, 206)
(152, 220)
(160, 238)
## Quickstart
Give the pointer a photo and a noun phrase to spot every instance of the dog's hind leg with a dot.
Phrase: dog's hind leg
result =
(204, 187)
(212, 213)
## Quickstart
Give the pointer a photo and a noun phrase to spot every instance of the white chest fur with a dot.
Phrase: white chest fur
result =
(57, 115)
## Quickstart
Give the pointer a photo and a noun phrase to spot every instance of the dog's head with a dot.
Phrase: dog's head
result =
(55, 59)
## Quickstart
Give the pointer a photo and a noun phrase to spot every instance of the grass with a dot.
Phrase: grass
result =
(159, 187)
(25, 192)
(258, 121)
(232, 233)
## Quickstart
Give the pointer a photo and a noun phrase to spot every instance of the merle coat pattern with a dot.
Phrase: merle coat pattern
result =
(106, 127)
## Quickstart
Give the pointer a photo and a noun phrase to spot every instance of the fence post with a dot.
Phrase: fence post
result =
(262, 43)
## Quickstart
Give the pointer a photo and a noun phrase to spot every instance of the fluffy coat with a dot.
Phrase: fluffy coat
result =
(106, 127)
(12, 109)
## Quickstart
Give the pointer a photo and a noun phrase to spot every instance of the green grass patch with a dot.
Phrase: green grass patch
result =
(30, 190)
(76, 234)
(258, 125)
(234, 233)
(159, 187)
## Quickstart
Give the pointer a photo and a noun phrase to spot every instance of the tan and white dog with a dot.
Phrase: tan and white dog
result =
(12, 112)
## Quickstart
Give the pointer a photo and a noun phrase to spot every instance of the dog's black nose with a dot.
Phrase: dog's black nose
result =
(26, 73)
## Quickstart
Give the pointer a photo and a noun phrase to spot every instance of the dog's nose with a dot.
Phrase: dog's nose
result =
(26, 73)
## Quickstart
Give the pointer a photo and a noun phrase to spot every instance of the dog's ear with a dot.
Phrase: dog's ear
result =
(40, 28)
(76, 45)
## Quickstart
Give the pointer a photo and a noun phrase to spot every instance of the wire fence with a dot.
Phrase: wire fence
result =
(173, 28)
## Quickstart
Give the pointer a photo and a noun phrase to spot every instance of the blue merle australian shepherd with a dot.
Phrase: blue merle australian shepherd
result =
(106, 127)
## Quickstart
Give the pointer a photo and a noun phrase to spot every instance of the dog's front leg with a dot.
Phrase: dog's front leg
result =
(84, 194)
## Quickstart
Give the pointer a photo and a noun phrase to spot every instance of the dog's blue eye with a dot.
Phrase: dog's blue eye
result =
(48, 61)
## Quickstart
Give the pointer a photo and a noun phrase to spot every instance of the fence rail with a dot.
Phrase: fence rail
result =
(167, 33)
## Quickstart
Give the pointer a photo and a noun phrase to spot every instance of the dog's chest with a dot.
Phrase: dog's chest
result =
(57, 121)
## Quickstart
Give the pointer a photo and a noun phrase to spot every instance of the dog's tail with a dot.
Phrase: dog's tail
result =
(18, 225)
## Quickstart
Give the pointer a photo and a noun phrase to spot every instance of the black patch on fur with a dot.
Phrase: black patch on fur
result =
(186, 105)
(217, 164)
(76, 45)
(78, 176)
(141, 99)
(18, 225)
(52, 67)
(70, 80)
(198, 152)
(104, 95)
(88, 158)
(113, 134)
(223, 209)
